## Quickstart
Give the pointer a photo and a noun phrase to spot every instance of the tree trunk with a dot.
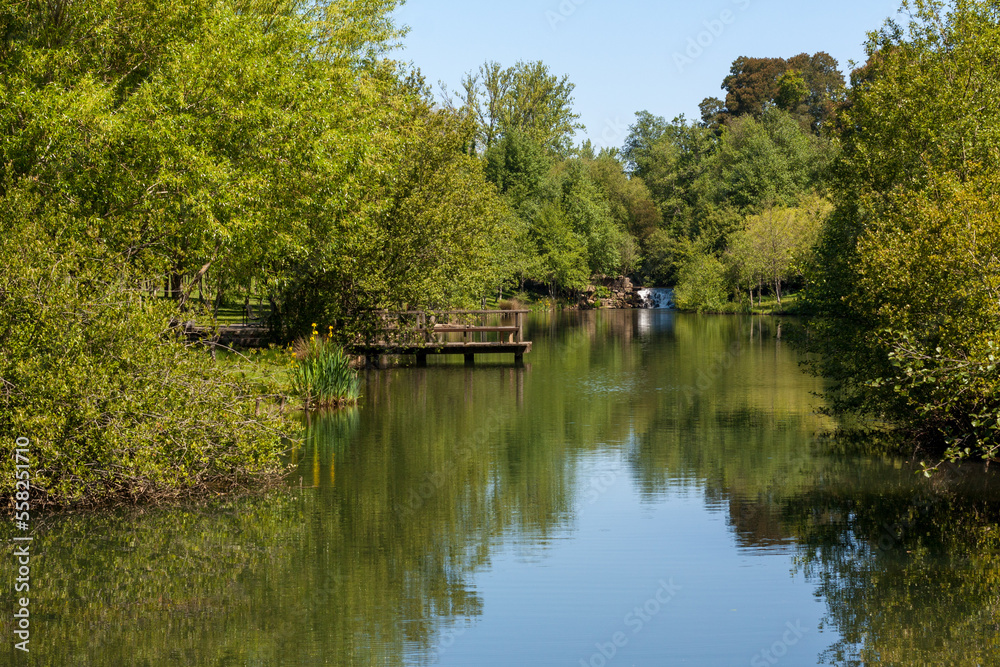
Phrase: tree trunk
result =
(218, 300)
(185, 294)
(173, 286)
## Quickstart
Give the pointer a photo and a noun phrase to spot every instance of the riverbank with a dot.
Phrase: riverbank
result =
(791, 305)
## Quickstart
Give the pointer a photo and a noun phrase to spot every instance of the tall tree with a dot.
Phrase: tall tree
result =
(907, 275)
(646, 131)
(752, 84)
(631, 203)
(810, 87)
(766, 161)
(526, 98)
(824, 90)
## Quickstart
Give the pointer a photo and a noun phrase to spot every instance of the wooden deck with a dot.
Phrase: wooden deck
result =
(423, 333)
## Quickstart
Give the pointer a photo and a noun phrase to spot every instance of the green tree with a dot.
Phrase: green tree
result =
(436, 239)
(672, 159)
(713, 112)
(587, 211)
(779, 242)
(906, 273)
(792, 90)
(766, 161)
(185, 134)
(562, 253)
(744, 266)
(646, 131)
(526, 98)
(664, 254)
(516, 165)
(701, 284)
(631, 203)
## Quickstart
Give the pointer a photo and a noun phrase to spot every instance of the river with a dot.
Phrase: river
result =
(649, 489)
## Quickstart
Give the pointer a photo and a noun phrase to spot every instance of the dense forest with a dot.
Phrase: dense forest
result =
(161, 161)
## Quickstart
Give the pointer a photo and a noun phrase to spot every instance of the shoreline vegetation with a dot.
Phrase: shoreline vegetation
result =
(215, 162)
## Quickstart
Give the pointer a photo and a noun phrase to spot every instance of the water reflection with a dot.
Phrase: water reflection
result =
(501, 515)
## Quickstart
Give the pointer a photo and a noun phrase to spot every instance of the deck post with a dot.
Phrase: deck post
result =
(518, 359)
(421, 359)
(470, 359)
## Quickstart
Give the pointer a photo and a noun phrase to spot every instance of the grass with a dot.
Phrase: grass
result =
(267, 368)
(791, 304)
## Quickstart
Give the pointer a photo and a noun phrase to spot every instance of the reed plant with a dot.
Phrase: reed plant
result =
(322, 373)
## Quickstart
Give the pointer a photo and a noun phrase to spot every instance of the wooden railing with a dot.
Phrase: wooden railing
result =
(429, 327)
(425, 332)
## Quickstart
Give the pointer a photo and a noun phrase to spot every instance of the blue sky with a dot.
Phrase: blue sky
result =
(631, 55)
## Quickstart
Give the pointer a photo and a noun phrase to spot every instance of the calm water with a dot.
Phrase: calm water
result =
(649, 490)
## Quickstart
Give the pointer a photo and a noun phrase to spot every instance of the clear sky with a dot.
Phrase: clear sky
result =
(630, 55)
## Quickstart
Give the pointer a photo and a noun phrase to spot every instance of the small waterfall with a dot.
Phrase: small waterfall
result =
(656, 297)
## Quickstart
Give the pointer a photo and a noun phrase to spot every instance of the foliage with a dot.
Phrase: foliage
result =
(906, 274)
(672, 159)
(708, 185)
(436, 239)
(116, 405)
(322, 375)
(764, 162)
(186, 134)
(562, 254)
(587, 212)
(516, 165)
(629, 200)
(664, 256)
(701, 284)
(752, 84)
(776, 244)
(810, 88)
(524, 98)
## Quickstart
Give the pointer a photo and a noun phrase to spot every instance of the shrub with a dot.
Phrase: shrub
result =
(702, 285)
(116, 405)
